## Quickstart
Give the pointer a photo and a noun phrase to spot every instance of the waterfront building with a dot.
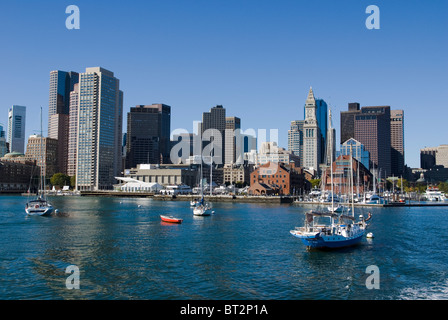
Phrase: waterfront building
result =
(342, 170)
(164, 174)
(271, 152)
(284, 178)
(237, 173)
(397, 142)
(312, 139)
(44, 151)
(100, 113)
(148, 135)
(372, 129)
(357, 150)
(16, 128)
(73, 131)
(17, 173)
(61, 85)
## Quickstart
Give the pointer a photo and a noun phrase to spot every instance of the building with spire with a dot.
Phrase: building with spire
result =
(312, 149)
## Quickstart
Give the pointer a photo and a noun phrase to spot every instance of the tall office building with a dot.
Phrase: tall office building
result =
(3, 148)
(148, 135)
(312, 149)
(61, 85)
(356, 149)
(73, 131)
(372, 129)
(348, 121)
(16, 128)
(100, 114)
(234, 147)
(215, 119)
(397, 141)
(295, 139)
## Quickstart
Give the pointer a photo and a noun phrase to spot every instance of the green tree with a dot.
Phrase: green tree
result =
(60, 180)
(73, 181)
(315, 183)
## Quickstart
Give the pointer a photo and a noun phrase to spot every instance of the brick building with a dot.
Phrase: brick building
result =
(283, 179)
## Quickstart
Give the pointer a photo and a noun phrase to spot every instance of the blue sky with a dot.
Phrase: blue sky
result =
(256, 58)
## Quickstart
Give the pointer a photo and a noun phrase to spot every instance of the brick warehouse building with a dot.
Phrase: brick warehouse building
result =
(278, 178)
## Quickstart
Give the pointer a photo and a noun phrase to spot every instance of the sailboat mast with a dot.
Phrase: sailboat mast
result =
(351, 180)
(42, 178)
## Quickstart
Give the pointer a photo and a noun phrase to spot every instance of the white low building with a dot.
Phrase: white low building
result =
(134, 185)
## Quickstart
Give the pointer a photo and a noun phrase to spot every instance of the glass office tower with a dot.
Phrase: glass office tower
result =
(100, 116)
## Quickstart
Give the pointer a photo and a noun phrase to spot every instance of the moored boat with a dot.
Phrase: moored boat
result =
(170, 219)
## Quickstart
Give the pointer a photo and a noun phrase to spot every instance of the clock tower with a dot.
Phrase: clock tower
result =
(311, 135)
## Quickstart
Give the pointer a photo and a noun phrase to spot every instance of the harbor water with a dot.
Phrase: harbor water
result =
(242, 252)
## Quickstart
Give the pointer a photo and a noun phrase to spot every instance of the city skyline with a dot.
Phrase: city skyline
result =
(230, 54)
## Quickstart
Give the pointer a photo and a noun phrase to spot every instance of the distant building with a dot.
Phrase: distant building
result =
(148, 135)
(295, 139)
(348, 121)
(312, 138)
(397, 142)
(164, 174)
(61, 85)
(284, 179)
(73, 131)
(215, 119)
(342, 169)
(271, 152)
(237, 173)
(230, 139)
(17, 174)
(44, 151)
(434, 156)
(100, 114)
(16, 128)
(357, 150)
(372, 129)
(3, 147)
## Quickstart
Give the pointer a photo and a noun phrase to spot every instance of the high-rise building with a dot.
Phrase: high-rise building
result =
(61, 85)
(356, 149)
(348, 121)
(295, 139)
(3, 148)
(372, 129)
(397, 141)
(73, 131)
(233, 140)
(215, 119)
(100, 114)
(312, 139)
(148, 135)
(434, 156)
(16, 128)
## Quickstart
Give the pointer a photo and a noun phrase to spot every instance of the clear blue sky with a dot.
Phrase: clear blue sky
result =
(256, 58)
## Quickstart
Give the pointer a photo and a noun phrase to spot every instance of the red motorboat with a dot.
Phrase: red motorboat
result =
(171, 219)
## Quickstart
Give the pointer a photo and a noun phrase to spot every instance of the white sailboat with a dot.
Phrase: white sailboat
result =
(201, 208)
(40, 206)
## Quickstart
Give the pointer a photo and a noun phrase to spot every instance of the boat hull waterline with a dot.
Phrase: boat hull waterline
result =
(170, 219)
(331, 242)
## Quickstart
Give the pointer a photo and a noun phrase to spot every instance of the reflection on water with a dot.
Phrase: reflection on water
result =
(243, 251)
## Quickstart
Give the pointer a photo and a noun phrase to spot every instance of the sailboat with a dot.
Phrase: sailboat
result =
(40, 206)
(342, 231)
(201, 208)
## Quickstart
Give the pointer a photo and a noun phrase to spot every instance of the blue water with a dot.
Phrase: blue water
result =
(243, 251)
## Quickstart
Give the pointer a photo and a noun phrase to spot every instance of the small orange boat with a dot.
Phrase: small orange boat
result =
(170, 219)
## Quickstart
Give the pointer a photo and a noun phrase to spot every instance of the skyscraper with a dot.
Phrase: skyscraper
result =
(100, 114)
(312, 149)
(372, 129)
(233, 148)
(3, 149)
(295, 139)
(215, 119)
(73, 131)
(348, 121)
(397, 141)
(16, 128)
(61, 85)
(148, 135)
